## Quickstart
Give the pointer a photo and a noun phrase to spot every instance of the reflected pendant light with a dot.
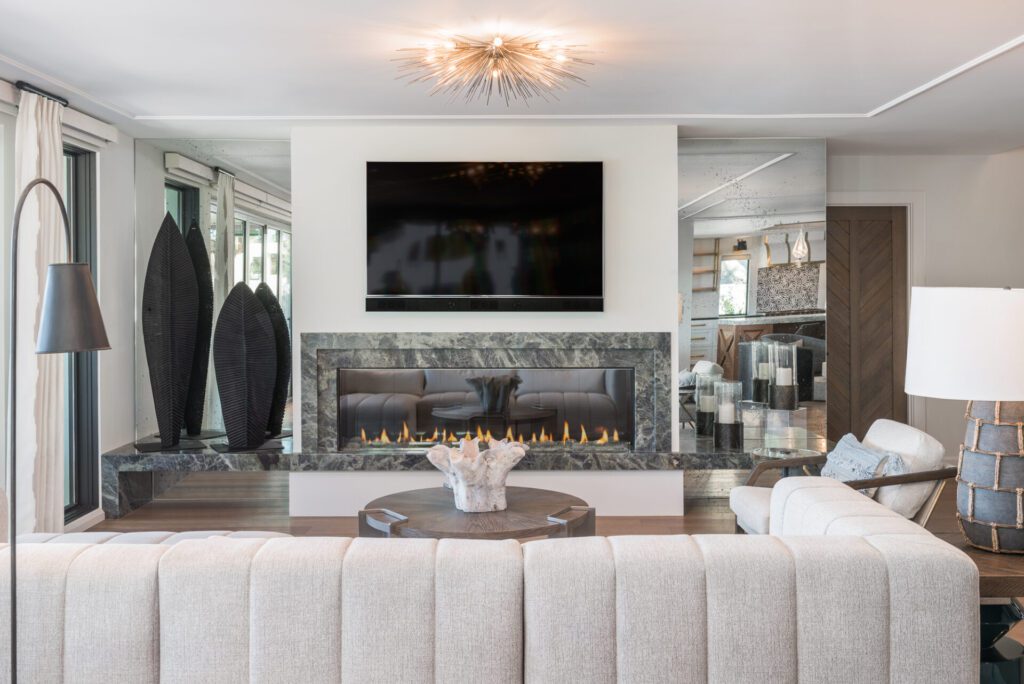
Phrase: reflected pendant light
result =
(801, 253)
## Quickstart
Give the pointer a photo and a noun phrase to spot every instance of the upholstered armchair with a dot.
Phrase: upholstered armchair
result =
(913, 494)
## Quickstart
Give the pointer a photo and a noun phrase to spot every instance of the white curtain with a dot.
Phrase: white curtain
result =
(39, 153)
(223, 268)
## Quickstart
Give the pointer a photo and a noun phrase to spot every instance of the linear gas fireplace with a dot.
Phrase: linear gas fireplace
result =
(549, 407)
(594, 391)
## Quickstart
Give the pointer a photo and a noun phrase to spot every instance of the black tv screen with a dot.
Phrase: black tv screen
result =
(484, 235)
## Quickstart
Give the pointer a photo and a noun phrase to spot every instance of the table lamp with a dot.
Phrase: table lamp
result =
(70, 321)
(963, 345)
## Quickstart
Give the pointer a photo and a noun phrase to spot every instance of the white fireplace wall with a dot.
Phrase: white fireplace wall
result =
(329, 219)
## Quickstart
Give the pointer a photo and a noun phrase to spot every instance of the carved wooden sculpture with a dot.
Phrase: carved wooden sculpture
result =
(245, 360)
(170, 304)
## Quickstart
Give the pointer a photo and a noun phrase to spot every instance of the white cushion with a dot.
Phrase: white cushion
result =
(707, 368)
(920, 452)
(751, 506)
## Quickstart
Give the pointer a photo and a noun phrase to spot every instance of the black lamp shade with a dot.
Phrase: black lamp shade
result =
(71, 319)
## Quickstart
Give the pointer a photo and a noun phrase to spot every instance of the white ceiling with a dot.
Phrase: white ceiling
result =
(739, 187)
(789, 67)
(265, 164)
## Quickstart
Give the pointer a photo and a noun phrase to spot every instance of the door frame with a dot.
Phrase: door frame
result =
(914, 201)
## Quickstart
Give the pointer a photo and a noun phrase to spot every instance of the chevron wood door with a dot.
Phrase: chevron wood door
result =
(866, 317)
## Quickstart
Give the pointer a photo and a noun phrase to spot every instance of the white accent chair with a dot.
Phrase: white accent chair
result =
(852, 593)
(913, 495)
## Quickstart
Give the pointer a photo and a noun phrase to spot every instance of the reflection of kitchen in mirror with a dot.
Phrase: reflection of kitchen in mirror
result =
(752, 274)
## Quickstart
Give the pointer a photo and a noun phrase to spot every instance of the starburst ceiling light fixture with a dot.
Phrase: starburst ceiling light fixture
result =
(510, 67)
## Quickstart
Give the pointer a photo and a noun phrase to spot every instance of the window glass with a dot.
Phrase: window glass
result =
(285, 288)
(732, 286)
(173, 203)
(254, 254)
(272, 266)
(239, 266)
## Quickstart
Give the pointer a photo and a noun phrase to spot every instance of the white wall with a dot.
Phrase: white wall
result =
(115, 280)
(149, 213)
(970, 232)
(329, 221)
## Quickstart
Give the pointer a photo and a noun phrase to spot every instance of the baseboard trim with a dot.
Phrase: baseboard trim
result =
(84, 522)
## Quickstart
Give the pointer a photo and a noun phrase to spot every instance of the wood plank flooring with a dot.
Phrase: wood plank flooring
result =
(259, 501)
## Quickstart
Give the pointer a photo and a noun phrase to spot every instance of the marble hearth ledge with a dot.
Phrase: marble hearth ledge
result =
(131, 478)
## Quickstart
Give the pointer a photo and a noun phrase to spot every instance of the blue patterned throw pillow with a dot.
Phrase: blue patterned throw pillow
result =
(851, 460)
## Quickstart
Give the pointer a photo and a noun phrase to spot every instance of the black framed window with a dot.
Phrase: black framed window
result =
(81, 463)
(182, 203)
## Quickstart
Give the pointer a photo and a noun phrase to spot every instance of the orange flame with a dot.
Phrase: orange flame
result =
(468, 435)
(405, 433)
(384, 439)
(603, 439)
(452, 438)
(434, 437)
(583, 435)
(543, 435)
(508, 434)
(565, 432)
(615, 435)
(533, 436)
(479, 433)
(488, 436)
(362, 434)
(521, 438)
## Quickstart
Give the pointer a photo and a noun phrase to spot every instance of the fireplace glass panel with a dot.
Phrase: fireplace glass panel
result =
(546, 407)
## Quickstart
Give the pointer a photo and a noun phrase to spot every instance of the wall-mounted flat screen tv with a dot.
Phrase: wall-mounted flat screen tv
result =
(481, 236)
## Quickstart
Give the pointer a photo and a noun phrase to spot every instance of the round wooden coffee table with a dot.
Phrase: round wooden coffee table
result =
(431, 514)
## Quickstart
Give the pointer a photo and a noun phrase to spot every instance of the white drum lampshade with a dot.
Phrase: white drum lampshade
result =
(965, 344)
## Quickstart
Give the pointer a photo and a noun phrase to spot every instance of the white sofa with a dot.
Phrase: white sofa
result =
(850, 593)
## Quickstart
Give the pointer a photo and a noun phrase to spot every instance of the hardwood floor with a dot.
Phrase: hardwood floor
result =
(259, 501)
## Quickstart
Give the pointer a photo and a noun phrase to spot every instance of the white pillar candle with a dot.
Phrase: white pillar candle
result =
(784, 376)
(726, 413)
(824, 369)
(764, 371)
(707, 404)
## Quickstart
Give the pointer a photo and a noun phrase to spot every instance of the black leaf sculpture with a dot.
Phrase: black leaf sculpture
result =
(170, 303)
(284, 357)
(245, 361)
(196, 399)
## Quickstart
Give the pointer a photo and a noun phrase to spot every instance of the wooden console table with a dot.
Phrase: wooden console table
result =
(431, 513)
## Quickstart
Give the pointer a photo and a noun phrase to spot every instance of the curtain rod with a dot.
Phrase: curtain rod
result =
(29, 88)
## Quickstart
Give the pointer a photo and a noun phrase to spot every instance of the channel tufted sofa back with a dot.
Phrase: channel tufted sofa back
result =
(886, 607)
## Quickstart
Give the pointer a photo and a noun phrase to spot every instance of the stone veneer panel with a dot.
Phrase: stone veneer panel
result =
(648, 354)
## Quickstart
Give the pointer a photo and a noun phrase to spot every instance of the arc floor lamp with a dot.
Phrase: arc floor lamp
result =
(70, 321)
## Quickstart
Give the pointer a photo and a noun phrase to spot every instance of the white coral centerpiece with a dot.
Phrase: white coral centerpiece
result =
(476, 477)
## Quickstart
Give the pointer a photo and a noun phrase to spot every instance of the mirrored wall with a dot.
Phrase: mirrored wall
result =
(752, 255)
(237, 194)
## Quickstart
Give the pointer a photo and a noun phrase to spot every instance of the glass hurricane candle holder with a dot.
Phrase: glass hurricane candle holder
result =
(753, 415)
(728, 425)
(764, 372)
(705, 399)
(784, 395)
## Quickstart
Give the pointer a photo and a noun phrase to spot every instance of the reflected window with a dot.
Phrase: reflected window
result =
(254, 255)
(733, 273)
(239, 265)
